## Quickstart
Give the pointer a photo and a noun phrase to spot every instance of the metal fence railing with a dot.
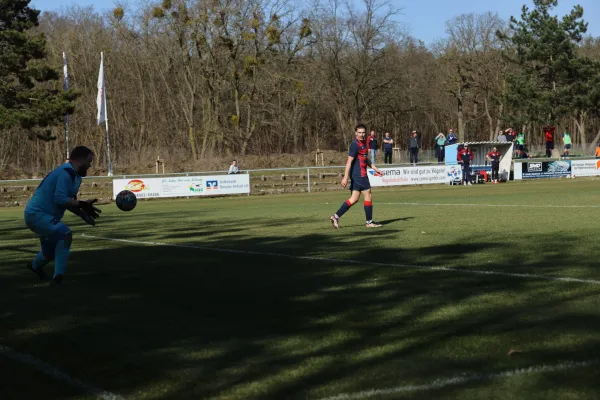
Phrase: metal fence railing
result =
(309, 171)
(260, 171)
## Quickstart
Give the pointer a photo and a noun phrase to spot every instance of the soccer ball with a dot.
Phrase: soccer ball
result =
(126, 200)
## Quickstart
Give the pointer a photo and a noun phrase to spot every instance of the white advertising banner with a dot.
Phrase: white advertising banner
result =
(412, 175)
(585, 167)
(183, 186)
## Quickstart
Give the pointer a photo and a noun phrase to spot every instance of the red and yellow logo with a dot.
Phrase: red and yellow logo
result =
(135, 185)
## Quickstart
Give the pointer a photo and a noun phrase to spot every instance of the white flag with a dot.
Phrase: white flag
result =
(65, 74)
(101, 99)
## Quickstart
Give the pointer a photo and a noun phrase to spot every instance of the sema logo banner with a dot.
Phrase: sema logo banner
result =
(409, 176)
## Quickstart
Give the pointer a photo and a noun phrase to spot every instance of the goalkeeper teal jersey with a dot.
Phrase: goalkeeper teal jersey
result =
(53, 193)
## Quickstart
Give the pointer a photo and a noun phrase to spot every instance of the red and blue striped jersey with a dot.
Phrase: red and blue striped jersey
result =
(358, 150)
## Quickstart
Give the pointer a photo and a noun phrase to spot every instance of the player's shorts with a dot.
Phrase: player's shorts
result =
(520, 147)
(550, 145)
(46, 226)
(360, 184)
(567, 146)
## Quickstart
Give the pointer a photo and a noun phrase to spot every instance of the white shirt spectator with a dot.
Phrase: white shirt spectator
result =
(233, 168)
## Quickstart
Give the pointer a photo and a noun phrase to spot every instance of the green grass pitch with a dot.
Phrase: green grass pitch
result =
(259, 298)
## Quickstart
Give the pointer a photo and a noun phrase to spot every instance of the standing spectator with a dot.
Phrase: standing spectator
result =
(373, 146)
(549, 136)
(452, 138)
(510, 137)
(233, 168)
(501, 136)
(414, 144)
(465, 157)
(567, 142)
(598, 151)
(494, 156)
(510, 134)
(440, 143)
(388, 147)
(521, 145)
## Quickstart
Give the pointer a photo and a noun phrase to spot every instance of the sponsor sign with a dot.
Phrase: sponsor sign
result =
(585, 167)
(544, 169)
(410, 176)
(183, 186)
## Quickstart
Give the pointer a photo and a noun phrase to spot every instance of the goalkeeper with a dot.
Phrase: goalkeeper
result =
(56, 193)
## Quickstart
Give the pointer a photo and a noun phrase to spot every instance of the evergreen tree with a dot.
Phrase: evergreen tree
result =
(550, 74)
(30, 95)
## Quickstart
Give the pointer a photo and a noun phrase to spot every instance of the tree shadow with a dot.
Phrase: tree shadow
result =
(296, 316)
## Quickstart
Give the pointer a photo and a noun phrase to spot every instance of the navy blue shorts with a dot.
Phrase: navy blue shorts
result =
(550, 145)
(567, 146)
(360, 184)
(520, 147)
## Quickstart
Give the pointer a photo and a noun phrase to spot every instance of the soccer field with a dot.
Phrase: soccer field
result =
(259, 298)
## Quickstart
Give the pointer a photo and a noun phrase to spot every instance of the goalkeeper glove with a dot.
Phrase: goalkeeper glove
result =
(89, 209)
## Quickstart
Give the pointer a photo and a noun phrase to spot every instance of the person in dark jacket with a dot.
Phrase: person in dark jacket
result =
(465, 158)
(414, 144)
(388, 147)
(452, 138)
(372, 142)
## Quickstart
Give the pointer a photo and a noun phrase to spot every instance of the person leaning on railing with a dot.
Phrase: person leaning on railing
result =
(233, 168)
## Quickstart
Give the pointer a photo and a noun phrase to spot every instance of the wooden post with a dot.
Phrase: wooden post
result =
(317, 158)
(160, 162)
(397, 156)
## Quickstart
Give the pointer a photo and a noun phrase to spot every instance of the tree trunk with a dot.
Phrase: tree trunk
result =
(499, 120)
(192, 139)
(593, 143)
(461, 127)
(489, 117)
(249, 130)
(580, 124)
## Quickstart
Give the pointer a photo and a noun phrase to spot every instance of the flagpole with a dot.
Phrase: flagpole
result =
(110, 171)
(66, 87)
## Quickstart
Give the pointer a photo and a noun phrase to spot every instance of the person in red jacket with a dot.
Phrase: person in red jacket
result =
(494, 156)
(549, 134)
(465, 157)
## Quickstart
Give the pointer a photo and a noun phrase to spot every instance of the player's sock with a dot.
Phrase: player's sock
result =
(369, 211)
(39, 261)
(345, 207)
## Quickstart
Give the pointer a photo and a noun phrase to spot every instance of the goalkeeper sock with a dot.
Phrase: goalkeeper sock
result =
(39, 261)
(63, 250)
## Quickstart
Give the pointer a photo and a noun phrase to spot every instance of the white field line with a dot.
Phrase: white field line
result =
(57, 374)
(346, 261)
(488, 205)
(464, 379)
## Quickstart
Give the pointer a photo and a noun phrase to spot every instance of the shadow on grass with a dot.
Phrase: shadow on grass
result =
(197, 324)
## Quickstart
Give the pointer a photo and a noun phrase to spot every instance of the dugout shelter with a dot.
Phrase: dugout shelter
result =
(480, 162)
